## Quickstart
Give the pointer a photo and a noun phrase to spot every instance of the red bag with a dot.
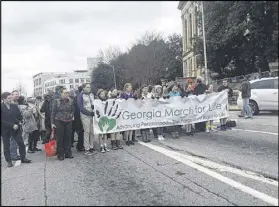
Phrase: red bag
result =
(50, 147)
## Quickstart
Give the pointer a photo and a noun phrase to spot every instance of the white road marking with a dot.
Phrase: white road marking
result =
(222, 168)
(243, 188)
(246, 130)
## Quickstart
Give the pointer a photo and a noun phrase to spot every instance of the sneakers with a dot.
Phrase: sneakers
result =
(132, 143)
(106, 149)
(36, 149)
(16, 158)
(102, 150)
(25, 160)
(118, 145)
(207, 130)
(248, 117)
(87, 152)
(30, 151)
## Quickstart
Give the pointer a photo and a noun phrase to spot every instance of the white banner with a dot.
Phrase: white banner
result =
(115, 115)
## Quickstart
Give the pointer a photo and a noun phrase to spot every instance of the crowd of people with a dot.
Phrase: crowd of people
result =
(25, 121)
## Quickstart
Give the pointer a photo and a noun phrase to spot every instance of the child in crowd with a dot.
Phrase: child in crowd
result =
(102, 95)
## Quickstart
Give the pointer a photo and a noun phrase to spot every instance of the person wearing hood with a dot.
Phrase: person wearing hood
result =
(157, 93)
(85, 104)
(115, 137)
(225, 86)
(246, 94)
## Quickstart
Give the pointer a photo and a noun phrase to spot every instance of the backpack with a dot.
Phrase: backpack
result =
(231, 123)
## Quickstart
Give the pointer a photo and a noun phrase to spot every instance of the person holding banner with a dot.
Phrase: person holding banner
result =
(209, 124)
(102, 95)
(188, 92)
(85, 105)
(158, 93)
(174, 92)
(126, 95)
(145, 132)
(115, 137)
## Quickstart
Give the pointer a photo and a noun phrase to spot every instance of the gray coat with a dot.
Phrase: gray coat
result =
(246, 89)
(30, 124)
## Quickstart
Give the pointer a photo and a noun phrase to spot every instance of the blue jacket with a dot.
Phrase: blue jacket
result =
(80, 106)
(174, 93)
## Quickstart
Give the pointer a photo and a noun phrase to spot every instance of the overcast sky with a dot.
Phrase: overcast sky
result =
(58, 36)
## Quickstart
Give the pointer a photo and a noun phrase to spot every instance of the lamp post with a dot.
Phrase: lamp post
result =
(204, 46)
(114, 76)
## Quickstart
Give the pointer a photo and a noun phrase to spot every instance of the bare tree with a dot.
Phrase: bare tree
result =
(109, 54)
(20, 88)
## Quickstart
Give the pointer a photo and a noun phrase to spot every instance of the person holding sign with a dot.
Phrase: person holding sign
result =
(145, 132)
(209, 124)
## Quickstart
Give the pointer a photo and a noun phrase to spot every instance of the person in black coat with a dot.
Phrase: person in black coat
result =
(200, 89)
(46, 108)
(77, 124)
(11, 120)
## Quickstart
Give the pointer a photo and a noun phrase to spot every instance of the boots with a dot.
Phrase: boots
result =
(106, 149)
(102, 149)
(118, 145)
(113, 145)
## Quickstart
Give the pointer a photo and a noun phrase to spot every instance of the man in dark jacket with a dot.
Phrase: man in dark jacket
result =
(200, 89)
(77, 124)
(46, 108)
(225, 86)
(10, 120)
(246, 94)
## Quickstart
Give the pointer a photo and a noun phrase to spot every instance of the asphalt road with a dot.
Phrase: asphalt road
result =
(236, 167)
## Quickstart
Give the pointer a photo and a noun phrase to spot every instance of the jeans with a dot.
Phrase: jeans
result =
(246, 108)
(13, 147)
(18, 140)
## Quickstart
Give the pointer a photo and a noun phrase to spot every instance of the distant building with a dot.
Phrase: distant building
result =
(190, 29)
(43, 82)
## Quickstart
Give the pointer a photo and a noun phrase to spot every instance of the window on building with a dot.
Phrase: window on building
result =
(71, 80)
(186, 36)
(62, 81)
(71, 86)
(82, 80)
(40, 81)
(76, 80)
(87, 80)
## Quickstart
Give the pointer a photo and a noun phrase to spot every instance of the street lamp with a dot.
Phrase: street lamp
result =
(204, 46)
(114, 76)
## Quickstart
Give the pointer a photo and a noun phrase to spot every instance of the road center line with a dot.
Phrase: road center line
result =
(246, 130)
(243, 188)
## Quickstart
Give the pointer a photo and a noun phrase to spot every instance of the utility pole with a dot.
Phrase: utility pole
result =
(204, 46)
(114, 76)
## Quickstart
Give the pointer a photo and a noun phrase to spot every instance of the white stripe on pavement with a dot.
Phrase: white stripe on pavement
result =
(243, 188)
(222, 168)
(246, 130)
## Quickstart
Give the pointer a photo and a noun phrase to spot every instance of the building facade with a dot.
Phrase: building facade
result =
(190, 29)
(43, 82)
